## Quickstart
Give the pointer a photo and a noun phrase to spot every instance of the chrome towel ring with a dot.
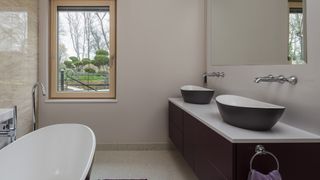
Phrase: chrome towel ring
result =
(260, 150)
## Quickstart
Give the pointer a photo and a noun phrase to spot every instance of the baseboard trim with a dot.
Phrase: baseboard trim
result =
(135, 147)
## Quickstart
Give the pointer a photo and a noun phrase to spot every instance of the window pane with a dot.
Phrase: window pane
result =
(83, 49)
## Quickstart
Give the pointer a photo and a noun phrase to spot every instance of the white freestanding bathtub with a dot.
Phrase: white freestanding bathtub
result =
(57, 152)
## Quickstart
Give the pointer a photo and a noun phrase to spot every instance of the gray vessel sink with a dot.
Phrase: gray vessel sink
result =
(196, 94)
(248, 113)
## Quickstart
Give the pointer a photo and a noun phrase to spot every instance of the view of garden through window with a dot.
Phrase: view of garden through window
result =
(296, 40)
(83, 49)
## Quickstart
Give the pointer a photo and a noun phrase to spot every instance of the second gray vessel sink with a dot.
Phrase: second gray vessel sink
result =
(196, 94)
(248, 113)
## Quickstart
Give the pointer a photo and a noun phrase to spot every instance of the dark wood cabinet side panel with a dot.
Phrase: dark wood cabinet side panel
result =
(178, 141)
(171, 124)
(171, 130)
(177, 116)
(175, 133)
(297, 160)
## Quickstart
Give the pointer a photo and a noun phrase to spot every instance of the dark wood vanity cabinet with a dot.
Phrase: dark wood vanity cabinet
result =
(212, 157)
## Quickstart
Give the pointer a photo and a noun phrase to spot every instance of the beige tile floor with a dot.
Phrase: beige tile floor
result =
(153, 165)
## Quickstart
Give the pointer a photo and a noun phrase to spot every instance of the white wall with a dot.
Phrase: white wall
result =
(160, 47)
(303, 100)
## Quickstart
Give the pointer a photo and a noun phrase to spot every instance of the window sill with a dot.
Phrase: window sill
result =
(81, 101)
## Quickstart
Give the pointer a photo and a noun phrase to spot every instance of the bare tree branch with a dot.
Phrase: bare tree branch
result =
(101, 18)
(75, 32)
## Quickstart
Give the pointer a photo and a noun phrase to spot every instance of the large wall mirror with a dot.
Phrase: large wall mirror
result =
(256, 32)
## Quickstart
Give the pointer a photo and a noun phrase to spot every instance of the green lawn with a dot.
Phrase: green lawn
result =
(91, 78)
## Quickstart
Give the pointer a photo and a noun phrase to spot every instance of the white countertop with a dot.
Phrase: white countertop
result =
(5, 114)
(210, 116)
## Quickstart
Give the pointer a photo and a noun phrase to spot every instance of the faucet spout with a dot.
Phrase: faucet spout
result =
(34, 112)
(257, 80)
(43, 89)
(269, 78)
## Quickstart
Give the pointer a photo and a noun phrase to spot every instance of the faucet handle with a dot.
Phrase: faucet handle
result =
(221, 74)
(270, 76)
(292, 80)
(281, 79)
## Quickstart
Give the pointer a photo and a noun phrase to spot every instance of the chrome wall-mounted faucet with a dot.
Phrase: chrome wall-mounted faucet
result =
(280, 79)
(212, 74)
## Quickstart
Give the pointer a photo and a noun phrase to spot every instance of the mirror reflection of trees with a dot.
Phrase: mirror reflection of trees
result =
(296, 40)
